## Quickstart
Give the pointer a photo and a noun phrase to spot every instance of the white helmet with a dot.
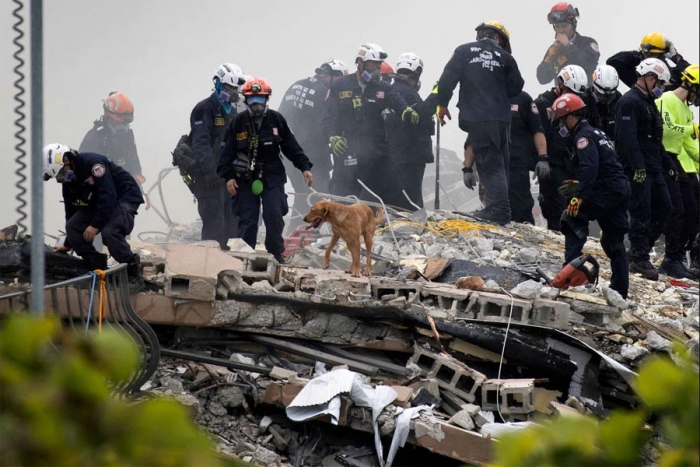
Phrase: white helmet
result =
(605, 79)
(574, 78)
(409, 61)
(333, 67)
(369, 51)
(230, 73)
(656, 66)
(53, 159)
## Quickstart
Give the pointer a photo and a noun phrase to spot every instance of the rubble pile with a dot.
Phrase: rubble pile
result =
(455, 339)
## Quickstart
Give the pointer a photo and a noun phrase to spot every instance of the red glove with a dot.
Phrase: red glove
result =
(573, 207)
(441, 113)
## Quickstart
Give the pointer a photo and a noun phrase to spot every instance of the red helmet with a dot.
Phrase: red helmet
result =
(256, 87)
(564, 105)
(119, 108)
(563, 12)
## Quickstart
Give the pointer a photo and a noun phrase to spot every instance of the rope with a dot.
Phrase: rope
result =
(503, 352)
(103, 298)
(444, 229)
(92, 294)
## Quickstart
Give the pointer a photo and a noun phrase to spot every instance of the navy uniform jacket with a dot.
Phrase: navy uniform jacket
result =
(597, 169)
(208, 123)
(582, 51)
(119, 147)
(273, 136)
(525, 122)
(99, 185)
(601, 114)
(412, 143)
(557, 145)
(626, 62)
(357, 115)
(639, 132)
(488, 77)
(302, 106)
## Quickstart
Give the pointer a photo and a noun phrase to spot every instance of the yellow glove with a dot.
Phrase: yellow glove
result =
(552, 52)
(410, 115)
(435, 88)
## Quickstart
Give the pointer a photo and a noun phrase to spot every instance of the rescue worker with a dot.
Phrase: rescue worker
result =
(679, 133)
(386, 73)
(411, 145)
(602, 98)
(112, 136)
(354, 121)
(252, 167)
(653, 45)
(488, 77)
(569, 47)
(99, 197)
(599, 191)
(571, 79)
(638, 133)
(528, 152)
(302, 106)
(208, 123)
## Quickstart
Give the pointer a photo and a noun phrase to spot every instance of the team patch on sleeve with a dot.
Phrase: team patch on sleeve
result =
(514, 107)
(534, 109)
(582, 142)
(98, 170)
(594, 46)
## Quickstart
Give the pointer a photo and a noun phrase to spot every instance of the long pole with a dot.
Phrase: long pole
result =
(437, 167)
(37, 129)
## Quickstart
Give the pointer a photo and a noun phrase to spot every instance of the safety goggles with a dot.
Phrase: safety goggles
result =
(255, 100)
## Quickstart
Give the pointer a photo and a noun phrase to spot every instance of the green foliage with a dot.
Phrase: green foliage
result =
(56, 407)
(669, 391)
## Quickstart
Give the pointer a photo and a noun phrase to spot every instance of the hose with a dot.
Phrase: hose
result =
(19, 121)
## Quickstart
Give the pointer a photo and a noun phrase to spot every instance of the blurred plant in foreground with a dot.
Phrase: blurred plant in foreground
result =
(669, 412)
(56, 407)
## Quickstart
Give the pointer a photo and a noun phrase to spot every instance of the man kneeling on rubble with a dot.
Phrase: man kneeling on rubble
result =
(600, 191)
(99, 196)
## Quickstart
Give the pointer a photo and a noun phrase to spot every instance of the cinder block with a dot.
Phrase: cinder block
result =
(383, 287)
(257, 266)
(494, 307)
(191, 271)
(549, 313)
(450, 373)
(516, 395)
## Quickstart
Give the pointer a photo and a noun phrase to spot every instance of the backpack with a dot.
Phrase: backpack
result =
(183, 155)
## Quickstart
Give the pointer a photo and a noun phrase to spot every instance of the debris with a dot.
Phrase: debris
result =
(529, 255)
(281, 373)
(471, 283)
(656, 342)
(462, 419)
(529, 289)
(614, 298)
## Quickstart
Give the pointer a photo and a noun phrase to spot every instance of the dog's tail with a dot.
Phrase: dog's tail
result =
(379, 218)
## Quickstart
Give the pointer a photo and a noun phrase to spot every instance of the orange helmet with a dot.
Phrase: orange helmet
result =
(118, 107)
(563, 12)
(566, 104)
(256, 87)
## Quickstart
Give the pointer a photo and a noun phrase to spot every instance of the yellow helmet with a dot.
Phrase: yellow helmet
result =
(654, 43)
(499, 28)
(691, 74)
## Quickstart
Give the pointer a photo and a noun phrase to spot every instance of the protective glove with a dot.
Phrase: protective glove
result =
(435, 88)
(441, 113)
(672, 53)
(542, 168)
(552, 52)
(470, 177)
(639, 176)
(212, 179)
(338, 145)
(568, 188)
(573, 207)
(410, 115)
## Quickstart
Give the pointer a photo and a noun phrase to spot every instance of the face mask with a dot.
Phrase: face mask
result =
(696, 98)
(118, 127)
(563, 131)
(65, 176)
(226, 95)
(372, 77)
(657, 91)
(257, 109)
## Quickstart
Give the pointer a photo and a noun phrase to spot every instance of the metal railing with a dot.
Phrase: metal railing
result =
(76, 302)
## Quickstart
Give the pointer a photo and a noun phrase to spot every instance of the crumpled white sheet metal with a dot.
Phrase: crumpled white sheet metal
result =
(321, 396)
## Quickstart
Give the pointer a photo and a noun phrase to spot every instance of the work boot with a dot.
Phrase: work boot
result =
(645, 269)
(675, 269)
(133, 271)
(488, 216)
(280, 259)
(96, 261)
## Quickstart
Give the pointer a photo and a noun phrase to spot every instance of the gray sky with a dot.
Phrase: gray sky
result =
(162, 54)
